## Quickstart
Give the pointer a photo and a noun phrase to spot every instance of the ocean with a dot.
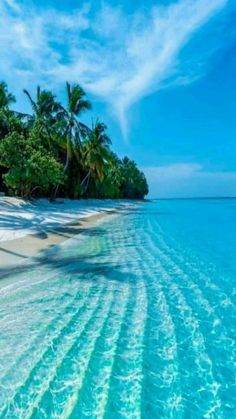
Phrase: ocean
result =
(135, 318)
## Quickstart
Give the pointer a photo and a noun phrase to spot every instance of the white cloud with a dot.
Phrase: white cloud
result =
(189, 180)
(119, 58)
(13, 5)
(177, 170)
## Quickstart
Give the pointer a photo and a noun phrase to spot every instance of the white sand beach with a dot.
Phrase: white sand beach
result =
(19, 218)
(29, 228)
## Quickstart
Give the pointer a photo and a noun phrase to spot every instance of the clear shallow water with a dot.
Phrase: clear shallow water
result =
(137, 320)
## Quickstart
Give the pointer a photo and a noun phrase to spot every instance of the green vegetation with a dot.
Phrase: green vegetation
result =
(51, 152)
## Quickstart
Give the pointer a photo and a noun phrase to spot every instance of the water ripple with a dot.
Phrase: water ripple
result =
(128, 323)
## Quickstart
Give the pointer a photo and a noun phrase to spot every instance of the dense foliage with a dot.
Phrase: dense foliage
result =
(51, 152)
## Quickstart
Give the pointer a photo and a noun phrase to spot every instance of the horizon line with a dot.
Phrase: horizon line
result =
(192, 198)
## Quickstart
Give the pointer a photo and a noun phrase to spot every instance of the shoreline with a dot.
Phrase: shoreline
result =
(13, 253)
(19, 218)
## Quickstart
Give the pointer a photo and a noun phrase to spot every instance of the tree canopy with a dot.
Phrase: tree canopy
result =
(50, 152)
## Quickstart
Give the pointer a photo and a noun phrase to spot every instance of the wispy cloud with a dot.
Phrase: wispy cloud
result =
(13, 5)
(189, 180)
(178, 170)
(119, 58)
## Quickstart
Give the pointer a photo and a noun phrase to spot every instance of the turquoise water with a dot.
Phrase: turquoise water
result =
(136, 319)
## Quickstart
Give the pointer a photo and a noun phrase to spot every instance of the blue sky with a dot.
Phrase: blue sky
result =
(161, 74)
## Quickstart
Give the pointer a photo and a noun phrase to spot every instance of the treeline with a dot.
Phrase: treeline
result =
(51, 153)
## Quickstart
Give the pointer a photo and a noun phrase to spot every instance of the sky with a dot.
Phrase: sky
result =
(160, 73)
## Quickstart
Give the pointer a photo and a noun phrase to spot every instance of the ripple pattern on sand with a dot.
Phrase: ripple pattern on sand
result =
(128, 323)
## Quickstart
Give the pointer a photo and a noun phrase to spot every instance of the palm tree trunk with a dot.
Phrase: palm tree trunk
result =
(67, 154)
(54, 194)
(86, 179)
(53, 197)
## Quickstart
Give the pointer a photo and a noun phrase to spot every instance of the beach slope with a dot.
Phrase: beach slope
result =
(28, 228)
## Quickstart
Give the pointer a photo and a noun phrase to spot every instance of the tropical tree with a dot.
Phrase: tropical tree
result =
(113, 178)
(30, 166)
(134, 183)
(75, 131)
(45, 109)
(6, 117)
(95, 153)
(6, 98)
(51, 147)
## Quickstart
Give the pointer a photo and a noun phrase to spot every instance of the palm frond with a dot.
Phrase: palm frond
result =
(32, 102)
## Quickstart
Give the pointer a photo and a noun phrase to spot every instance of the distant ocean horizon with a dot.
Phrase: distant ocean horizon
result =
(190, 197)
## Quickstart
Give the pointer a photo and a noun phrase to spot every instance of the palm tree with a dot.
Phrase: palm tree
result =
(75, 131)
(96, 153)
(45, 108)
(6, 98)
